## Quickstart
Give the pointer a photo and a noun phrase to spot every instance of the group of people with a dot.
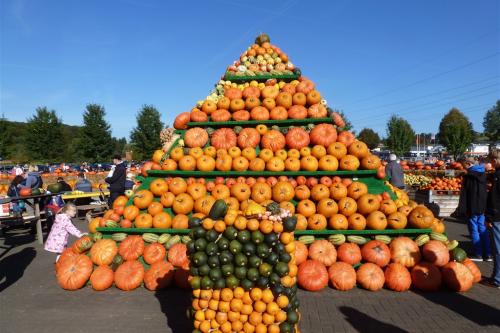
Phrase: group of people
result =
(482, 208)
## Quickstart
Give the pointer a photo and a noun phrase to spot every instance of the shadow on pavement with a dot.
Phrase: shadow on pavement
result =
(175, 303)
(477, 312)
(12, 267)
(13, 238)
(364, 323)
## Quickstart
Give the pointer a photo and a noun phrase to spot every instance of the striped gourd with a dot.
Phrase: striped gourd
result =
(360, 240)
(451, 245)
(96, 236)
(173, 240)
(337, 239)
(111, 224)
(383, 238)
(438, 236)
(185, 239)
(306, 239)
(150, 237)
(118, 236)
(422, 239)
(164, 238)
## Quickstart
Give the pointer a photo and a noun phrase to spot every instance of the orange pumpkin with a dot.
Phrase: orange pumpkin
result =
(317, 111)
(74, 272)
(297, 138)
(349, 253)
(376, 252)
(323, 251)
(181, 120)
(102, 278)
(223, 138)
(278, 113)
(426, 277)
(301, 253)
(198, 115)
(436, 252)
(143, 198)
(103, 251)
(177, 255)
(153, 253)
(196, 137)
(342, 276)
(397, 277)
(273, 140)
(248, 137)
(129, 275)
(233, 93)
(405, 251)
(346, 138)
(297, 112)
(323, 134)
(159, 275)
(312, 275)
(241, 115)
(162, 220)
(473, 269)
(370, 277)
(259, 113)
(131, 247)
(144, 220)
(338, 120)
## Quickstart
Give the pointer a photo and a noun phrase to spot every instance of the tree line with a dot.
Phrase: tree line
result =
(44, 138)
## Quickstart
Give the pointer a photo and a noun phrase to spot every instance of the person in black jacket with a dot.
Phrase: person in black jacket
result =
(116, 179)
(493, 216)
(473, 204)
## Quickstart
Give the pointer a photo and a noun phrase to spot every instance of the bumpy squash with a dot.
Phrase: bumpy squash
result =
(397, 277)
(129, 275)
(103, 252)
(405, 251)
(323, 134)
(177, 255)
(436, 253)
(153, 253)
(273, 140)
(323, 251)
(376, 252)
(301, 253)
(159, 275)
(312, 275)
(457, 276)
(74, 272)
(426, 277)
(370, 277)
(196, 137)
(349, 253)
(297, 138)
(102, 278)
(248, 137)
(131, 248)
(224, 138)
(342, 276)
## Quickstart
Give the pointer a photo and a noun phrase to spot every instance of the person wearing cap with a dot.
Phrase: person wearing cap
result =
(394, 172)
(116, 179)
(65, 187)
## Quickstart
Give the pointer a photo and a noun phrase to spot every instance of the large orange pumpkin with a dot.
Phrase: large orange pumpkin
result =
(370, 277)
(457, 277)
(297, 112)
(283, 191)
(397, 277)
(181, 120)
(196, 137)
(102, 278)
(473, 269)
(376, 252)
(144, 220)
(220, 115)
(177, 255)
(349, 253)
(103, 251)
(131, 247)
(129, 275)
(301, 253)
(297, 138)
(159, 275)
(74, 272)
(436, 253)
(342, 276)
(323, 134)
(223, 138)
(405, 251)
(312, 275)
(154, 252)
(323, 251)
(248, 137)
(426, 277)
(273, 140)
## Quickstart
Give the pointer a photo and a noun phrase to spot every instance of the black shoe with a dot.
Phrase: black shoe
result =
(488, 258)
(490, 283)
(475, 258)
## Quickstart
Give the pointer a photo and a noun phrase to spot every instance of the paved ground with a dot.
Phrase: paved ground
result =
(31, 301)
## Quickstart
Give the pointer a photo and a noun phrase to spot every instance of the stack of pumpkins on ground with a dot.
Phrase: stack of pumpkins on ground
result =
(125, 261)
(327, 203)
(398, 264)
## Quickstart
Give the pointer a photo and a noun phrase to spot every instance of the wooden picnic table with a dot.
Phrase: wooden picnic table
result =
(71, 196)
(36, 208)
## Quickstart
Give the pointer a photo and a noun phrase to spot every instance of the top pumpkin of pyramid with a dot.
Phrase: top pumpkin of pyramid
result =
(262, 59)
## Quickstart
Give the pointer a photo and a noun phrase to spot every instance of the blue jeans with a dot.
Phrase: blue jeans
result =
(496, 254)
(479, 235)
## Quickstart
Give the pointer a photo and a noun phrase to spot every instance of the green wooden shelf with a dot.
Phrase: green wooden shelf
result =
(109, 231)
(212, 174)
(362, 232)
(243, 78)
(281, 123)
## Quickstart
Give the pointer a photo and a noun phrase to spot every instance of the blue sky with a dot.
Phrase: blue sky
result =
(416, 59)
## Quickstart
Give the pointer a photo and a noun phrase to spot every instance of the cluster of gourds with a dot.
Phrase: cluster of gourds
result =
(427, 263)
(125, 261)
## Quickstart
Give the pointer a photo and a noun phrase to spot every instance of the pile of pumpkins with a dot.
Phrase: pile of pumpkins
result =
(155, 261)
(319, 204)
(427, 263)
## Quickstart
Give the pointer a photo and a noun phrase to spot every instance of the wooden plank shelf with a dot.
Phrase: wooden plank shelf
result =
(212, 174)
(280, 123)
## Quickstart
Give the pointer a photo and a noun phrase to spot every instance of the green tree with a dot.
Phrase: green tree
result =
(491, 122)
(145, 138)
(119, 146)
(44, 134)
(5, 138)
(455, 132)
(95, 143)
(399, 135)
(370, 137)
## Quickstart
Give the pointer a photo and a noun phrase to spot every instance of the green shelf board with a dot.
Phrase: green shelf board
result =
(363, 232)
(105, 231)
(109, 231)
(264, 77)
(212, 174)
(281, 123)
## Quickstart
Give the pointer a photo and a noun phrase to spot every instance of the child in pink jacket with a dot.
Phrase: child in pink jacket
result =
(62, 227)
